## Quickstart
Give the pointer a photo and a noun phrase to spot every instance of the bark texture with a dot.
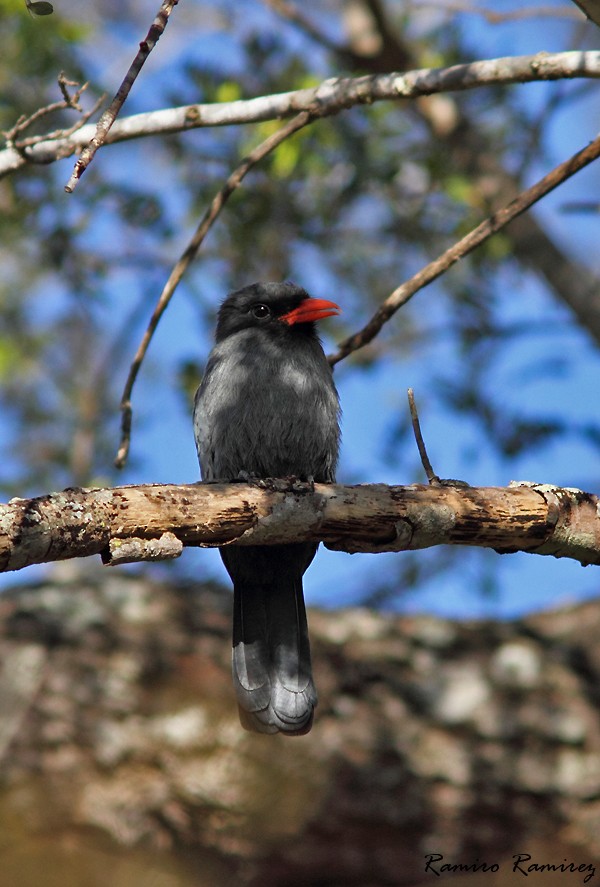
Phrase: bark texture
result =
(154, 522)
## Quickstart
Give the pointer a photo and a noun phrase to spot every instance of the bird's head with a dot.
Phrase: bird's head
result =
(280, 307)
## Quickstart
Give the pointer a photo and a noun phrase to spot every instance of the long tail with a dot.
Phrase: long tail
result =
(271, 664)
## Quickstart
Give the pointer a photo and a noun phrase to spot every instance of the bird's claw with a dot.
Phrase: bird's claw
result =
(277, 484)
(449, 482)
(246, 477)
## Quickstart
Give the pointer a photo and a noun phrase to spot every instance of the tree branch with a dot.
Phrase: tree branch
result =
(464, 246)
(156, 521)
(332, 96)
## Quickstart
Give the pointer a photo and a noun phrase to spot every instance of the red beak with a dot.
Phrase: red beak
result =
(310, 310)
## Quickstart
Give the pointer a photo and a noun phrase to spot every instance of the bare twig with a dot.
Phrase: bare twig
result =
(60, 133)
(108, 118)
(332, 96)
(30, 141)
(72, 101)
(427, 468)
(463, 247)
(68, 101)
(207, 221)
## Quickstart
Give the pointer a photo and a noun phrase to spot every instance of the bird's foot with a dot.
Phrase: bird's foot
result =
(448, 482)
(263, 483)
(294, 483)
(246, 477)
(278, 484)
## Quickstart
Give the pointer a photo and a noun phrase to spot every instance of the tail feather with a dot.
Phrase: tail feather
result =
(293, 695)
(250, 648)
(271, 662)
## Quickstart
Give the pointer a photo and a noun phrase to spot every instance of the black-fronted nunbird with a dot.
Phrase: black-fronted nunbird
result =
(267, 407)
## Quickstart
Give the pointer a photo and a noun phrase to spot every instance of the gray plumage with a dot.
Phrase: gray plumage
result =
(267, 407)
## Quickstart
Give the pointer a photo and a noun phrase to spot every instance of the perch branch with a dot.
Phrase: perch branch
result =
(156, 521)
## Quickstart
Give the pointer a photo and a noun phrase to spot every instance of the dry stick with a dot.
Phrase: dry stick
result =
(30, 141)
(427, 467)
(108, 118)
(67, 101)
(467, 244)
(210, 216)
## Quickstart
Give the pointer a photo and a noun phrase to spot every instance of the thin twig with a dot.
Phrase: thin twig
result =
(68, 101)
(463, 247)
(108, 118)
(60, 133)
(186, 258)
(427, 468)
(71, 100)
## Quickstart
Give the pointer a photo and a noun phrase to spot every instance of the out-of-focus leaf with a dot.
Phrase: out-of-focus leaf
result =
(228, 91)
(39, 7)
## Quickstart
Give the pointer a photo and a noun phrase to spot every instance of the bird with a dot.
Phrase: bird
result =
(267, 407)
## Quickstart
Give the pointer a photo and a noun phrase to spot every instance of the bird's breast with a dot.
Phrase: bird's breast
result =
(268, 414)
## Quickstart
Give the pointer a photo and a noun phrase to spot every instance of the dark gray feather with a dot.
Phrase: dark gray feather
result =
(268, 407)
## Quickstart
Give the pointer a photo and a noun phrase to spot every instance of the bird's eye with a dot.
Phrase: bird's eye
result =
(260, 311)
